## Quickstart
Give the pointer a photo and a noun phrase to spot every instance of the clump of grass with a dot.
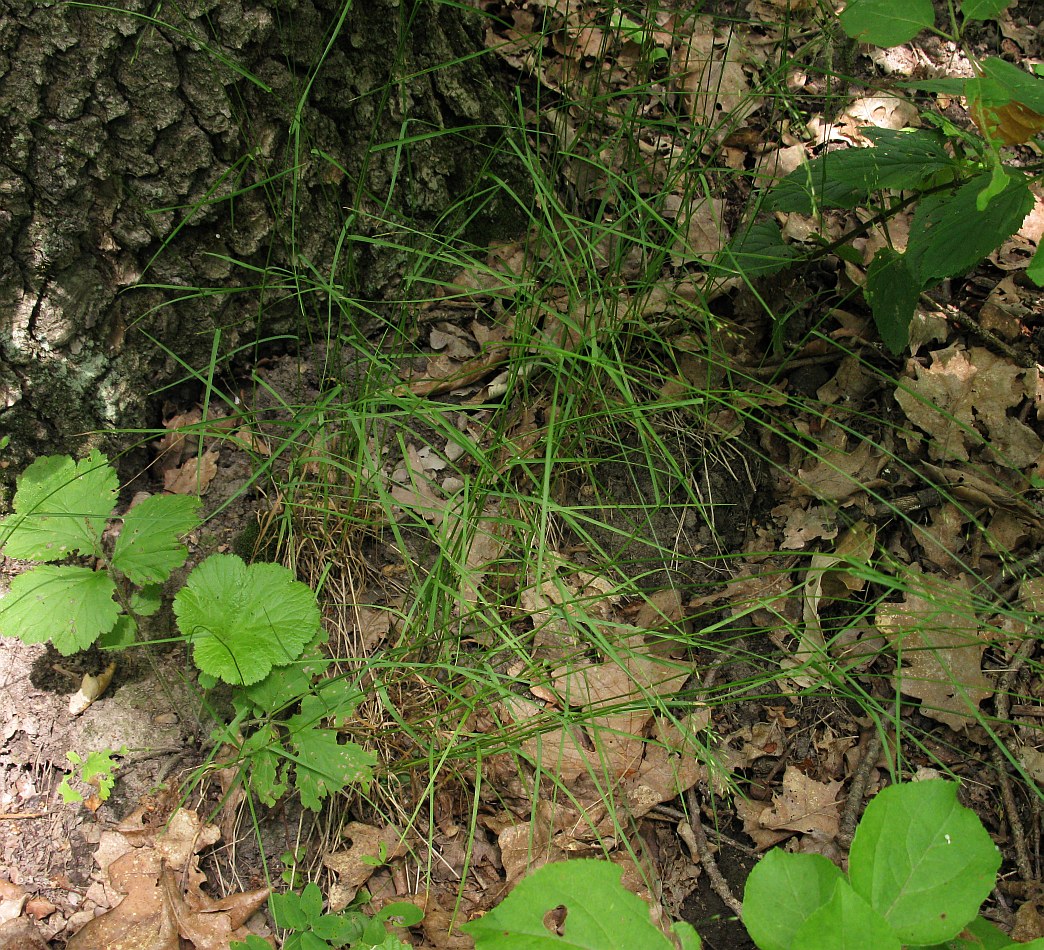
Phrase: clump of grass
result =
(621, 391)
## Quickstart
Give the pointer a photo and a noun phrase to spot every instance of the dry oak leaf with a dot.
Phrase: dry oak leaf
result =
(839, 473)
(941, 648)
(193, 476)
(355, 865)
(961, 389)
(804, 805)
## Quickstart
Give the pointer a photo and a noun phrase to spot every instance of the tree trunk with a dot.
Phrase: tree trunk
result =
(150, 165)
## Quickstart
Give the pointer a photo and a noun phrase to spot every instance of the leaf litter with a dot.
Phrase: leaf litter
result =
(830, 578)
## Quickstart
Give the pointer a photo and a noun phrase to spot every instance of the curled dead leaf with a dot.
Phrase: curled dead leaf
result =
(91, 687)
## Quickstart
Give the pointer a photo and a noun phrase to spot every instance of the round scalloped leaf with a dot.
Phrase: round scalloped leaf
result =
(69, 606)
(243, 620)
(149, 546)
(61, 506)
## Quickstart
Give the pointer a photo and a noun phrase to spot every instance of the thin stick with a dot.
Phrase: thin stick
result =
(703, 854)
(849, 820)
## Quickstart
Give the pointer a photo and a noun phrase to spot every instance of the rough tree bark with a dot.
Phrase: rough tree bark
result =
(122, 139)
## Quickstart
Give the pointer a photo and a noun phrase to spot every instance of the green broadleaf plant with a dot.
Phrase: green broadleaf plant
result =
(971, 201)
(285, 730)
(97, 770)
(311, 929)
(249, 625)
(600, 913)
(920, 866)
(61, 509)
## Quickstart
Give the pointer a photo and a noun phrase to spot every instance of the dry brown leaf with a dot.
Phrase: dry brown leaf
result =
(618, 735)
(373, 626)
(171, 448)
(156, 914)
(839, 473)
(963, 389)
(938, 636)
(885, 112)
(355, 865)
(91, 687)
(1008, 124)
(804, 805)
(525, 846)
(713, 83)
(193, 476)
(805, 525)
(830, 578)
(750, 813)
(943, 539)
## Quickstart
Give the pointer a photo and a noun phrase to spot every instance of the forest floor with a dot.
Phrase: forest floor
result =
(829, 464)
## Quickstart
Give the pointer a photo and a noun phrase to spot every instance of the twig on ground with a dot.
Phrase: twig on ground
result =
(972, 328)
(667, 813)
(692, 833)
(1000, 758)
(856, 791)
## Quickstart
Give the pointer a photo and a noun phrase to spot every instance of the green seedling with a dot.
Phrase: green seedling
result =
(311, 929)
(62, 509)
(98, 770)
(251, 626)
(286, 729)
(290, 875)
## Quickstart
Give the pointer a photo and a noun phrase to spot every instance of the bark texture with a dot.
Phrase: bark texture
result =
(138, 157)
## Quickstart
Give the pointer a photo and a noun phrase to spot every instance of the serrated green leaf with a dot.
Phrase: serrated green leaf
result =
(243, 620)
(146, 601)
(999, 179)
(949, 235)
(845, 922)
(949, 87)
(266, 760)
(322, 765)
(923, 861)
(283, 687)
(339, 698)
(898, 161)
(67, 606)
(886, 22)
(892, 293)
(782, 892)
(983, 9)
(60, 507)
(758, 251)
(1021, 86)
(149, 547)
(600, 913)
(70, 796)
(1035, 270)
(121, 636)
